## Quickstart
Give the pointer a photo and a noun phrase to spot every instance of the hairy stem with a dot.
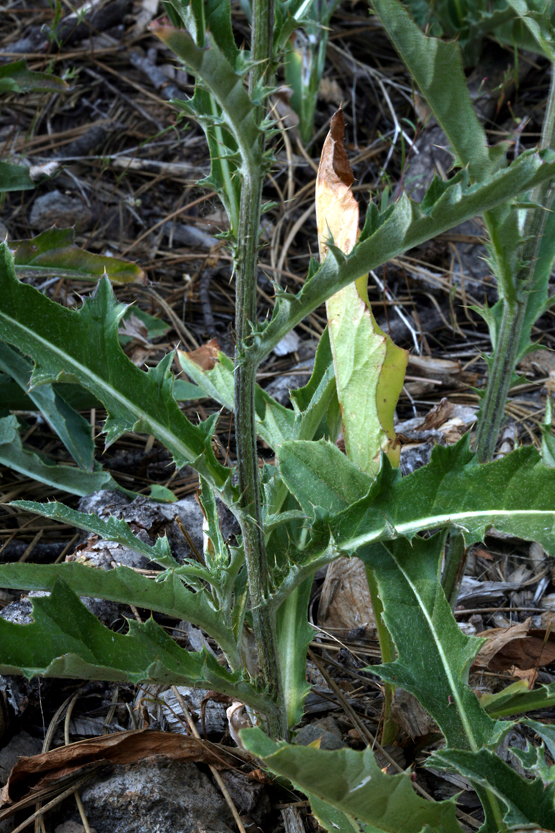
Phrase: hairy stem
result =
(246, 266)
(514, 308)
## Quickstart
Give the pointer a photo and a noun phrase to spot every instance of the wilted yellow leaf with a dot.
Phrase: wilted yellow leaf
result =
(369, 368)
(336, 207)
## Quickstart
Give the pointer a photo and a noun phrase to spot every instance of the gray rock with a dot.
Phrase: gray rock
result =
(148, 519)
(57, 209)
(326, 731)
(156, 796)
(20, 745)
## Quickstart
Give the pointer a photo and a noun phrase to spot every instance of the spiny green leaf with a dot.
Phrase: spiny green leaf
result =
(514, 495)
(274, 423)
(223, 177)
(68, 478)
(539, 24)
(333, 820)
(112, 529)
(214, 16)
(83, 346)
(538, 301)
(16, 78)
(124, 585)
(433, 655)
(353, 783)
(54, 253)
(67, 640)
(528, 802)
(405, 227)
(518, 699)
(211, 66)
(314, 402)
(294, 636)
(320, 475)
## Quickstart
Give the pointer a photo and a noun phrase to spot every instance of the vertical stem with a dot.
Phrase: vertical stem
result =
(500, 379)
(262, 42)
(514, 308)
(246, 267)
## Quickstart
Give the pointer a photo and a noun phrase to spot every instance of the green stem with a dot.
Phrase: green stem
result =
(246, 267)
(262, 43)
(387, 648)
(515, 304)
(492, 411)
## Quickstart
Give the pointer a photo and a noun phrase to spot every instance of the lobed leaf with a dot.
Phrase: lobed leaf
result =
(211, 66)
(353, 783)
(321, 476)
(518, 699)
(433, 655)
(514, 495)
(437, 68)
(83, 346)
(398, 229)
(124, 585)
(528, 802)
(274, 422)
(539, 23)
(67, 640)
(112, 529)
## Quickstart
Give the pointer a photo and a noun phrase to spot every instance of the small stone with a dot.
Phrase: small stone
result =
(61, 210)
(20, 745)
(156, 796)
(321, 731)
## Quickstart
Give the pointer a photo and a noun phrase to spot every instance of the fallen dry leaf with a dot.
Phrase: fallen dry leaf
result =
(529, 676)
(206, 356)
(438, 415)
(35, 773)
(518, 646)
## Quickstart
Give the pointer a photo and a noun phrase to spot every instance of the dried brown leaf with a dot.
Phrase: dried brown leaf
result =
(38, 772)
(518, 646)
(336, 207)
(206, 356)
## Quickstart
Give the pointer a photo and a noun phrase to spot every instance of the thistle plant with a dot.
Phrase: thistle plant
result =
(315, 504)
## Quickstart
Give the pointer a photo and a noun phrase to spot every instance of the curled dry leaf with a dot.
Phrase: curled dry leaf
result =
(33, 774)
(336, 208)
(369, 368)
(519, 646)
